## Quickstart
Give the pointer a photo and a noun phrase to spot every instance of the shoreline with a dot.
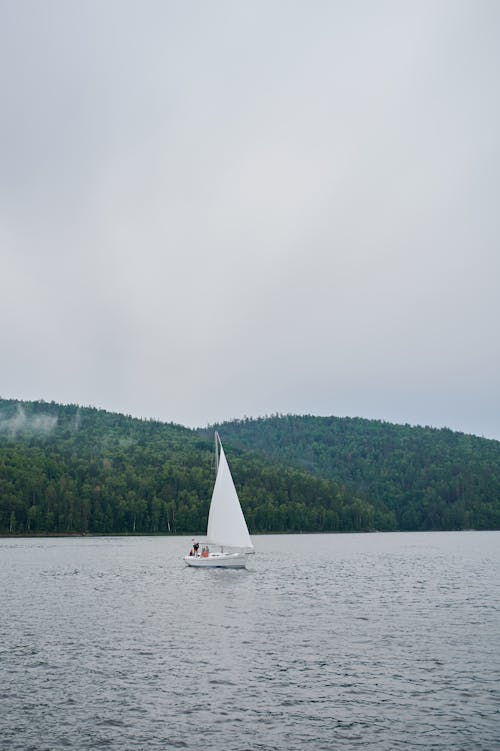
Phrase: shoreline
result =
(68, 535)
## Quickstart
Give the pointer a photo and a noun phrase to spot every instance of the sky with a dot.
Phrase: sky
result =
(211, 210)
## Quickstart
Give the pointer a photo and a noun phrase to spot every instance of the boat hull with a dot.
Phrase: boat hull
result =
(217, 560)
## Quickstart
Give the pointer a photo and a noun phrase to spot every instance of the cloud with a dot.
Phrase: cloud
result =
(210, 210)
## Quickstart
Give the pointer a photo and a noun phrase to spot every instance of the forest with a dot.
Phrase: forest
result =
(418, 478)
(67, 469)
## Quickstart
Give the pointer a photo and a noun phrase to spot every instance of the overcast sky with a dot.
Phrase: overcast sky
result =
(226, 208)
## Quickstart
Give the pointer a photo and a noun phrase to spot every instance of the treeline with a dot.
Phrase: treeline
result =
(422, 478)
(66, 469)
(70, 469)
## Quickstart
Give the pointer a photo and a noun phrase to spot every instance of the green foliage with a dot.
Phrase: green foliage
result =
(70, 469)
(412, 478)
(66, 469)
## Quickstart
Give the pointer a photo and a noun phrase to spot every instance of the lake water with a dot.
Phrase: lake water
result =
(374, 641)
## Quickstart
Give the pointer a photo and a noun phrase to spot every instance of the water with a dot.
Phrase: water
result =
(382, 641)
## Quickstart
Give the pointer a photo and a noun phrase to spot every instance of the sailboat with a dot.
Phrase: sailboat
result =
(227, 529)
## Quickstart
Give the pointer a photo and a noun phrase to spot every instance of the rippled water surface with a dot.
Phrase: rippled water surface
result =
(383, 641)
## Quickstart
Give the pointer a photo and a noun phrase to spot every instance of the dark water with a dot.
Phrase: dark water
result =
(383, 641)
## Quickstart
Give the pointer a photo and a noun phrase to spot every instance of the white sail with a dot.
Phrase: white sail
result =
(226, 523)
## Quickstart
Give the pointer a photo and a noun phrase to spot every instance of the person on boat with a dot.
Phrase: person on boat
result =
(204, 552)
(195, 547)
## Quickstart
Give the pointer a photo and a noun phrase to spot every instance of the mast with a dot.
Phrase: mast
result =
(217, 441)
(216, 452)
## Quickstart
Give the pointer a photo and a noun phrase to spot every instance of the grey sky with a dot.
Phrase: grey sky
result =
(217, 209)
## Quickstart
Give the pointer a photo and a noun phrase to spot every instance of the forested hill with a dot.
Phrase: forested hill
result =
(66, 469)
(69, 469)
(425, 478)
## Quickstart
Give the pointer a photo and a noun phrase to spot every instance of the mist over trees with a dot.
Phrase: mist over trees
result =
(70, 469)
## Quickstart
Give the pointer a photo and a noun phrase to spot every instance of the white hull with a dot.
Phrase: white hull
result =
(217, 560)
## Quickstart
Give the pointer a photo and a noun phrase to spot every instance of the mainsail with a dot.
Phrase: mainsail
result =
(226, 524)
